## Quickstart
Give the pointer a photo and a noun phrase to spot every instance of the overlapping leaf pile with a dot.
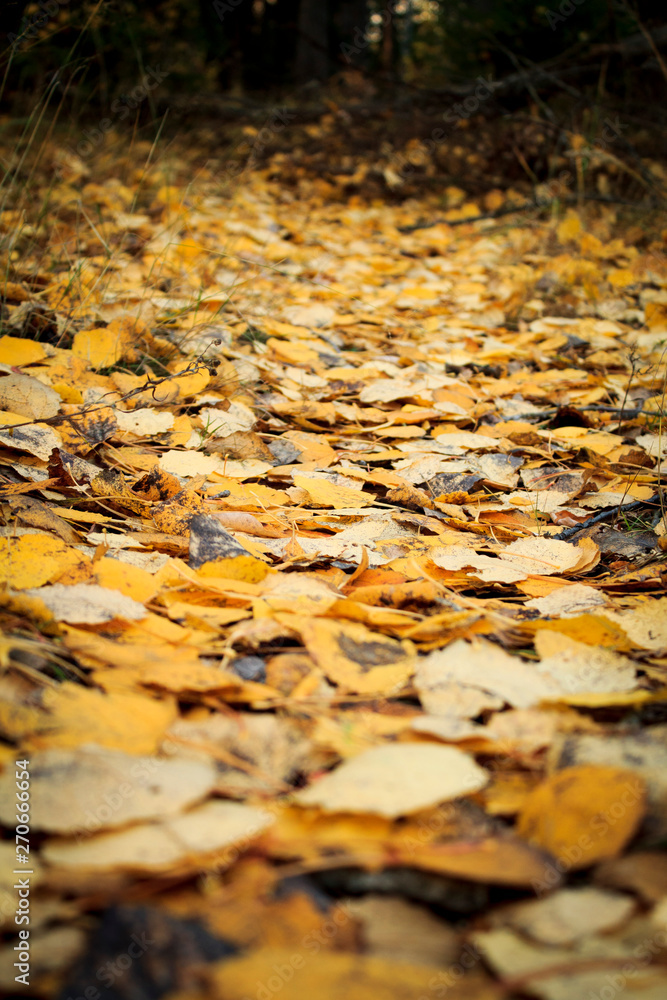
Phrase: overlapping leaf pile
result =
(289, 599)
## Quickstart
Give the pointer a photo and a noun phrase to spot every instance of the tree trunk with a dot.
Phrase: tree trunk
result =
(312, 55)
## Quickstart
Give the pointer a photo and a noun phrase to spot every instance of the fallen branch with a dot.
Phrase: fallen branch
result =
(567, 533)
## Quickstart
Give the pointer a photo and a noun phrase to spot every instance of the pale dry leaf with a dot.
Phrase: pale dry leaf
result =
(145, 422)
(482, 667)
(570, 914)
(238, 520)
(397, 929)
(469, 441)
(275, 749)
(541, 556)
(498, 469)
(92, 788)
(511, 955)
(302, 593)
(384, 390)
(576, 668)
(645, 626)
(87, 603)
(396, 780)
(27, 396)
(35, 439)
(211, 827)
(318, 315)
(654, 445)
(223, 423)
(457, 557)
(567, 601)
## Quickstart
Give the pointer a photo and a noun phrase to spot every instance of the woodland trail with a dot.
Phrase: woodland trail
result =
(312, 701)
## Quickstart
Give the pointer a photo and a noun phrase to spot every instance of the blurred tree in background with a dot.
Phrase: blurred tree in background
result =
(93, 50)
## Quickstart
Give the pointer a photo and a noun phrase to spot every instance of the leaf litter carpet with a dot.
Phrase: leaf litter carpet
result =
(330, 682)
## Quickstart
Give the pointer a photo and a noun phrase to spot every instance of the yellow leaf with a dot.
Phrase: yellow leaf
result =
(33, 560)
(78, 715)
(294, 354)
(325, 494)
(129, 580)
(241, 567)
(595, 630)
(105, 346)
(182, 386)
(68, 393)
(301, 593)
(569, 228)
(584, 814)
(18, 721)
(656, 316)
(181, 432)
(500, 860)
(621, 277)
(16, 351)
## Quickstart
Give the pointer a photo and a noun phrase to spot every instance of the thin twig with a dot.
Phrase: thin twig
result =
(605, 516)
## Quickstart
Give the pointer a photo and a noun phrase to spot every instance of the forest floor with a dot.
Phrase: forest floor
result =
(334, 655)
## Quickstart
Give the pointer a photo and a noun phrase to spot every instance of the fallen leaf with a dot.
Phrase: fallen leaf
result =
(584, 814)
(27, 396)
(102, 347)
(87, 603)
(83, 791)
(334, 976)
(356, 658)
(396, 780)
(209, 829)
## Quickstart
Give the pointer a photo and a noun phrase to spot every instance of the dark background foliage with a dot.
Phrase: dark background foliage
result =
(99, 47)
(252, 76)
